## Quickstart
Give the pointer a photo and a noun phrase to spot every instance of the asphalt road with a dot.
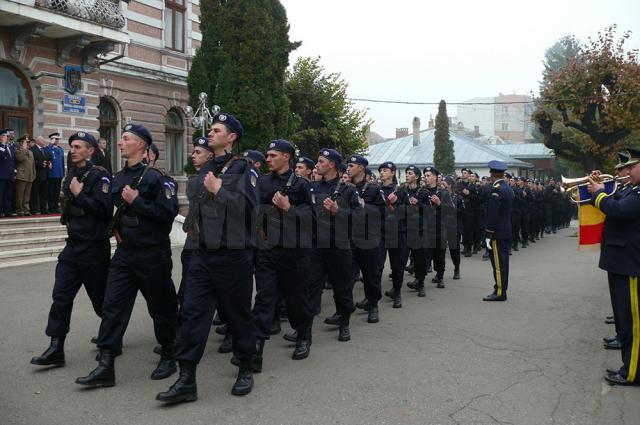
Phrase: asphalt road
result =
(446, 359)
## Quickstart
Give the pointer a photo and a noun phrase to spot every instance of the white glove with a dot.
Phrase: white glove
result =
(488, 242)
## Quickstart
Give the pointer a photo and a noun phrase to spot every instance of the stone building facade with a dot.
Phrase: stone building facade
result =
(133, 59)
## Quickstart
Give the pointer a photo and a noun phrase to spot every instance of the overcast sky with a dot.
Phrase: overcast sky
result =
(452, 50)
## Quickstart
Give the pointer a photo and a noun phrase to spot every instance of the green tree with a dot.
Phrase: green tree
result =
(321, 115)
(589, 105)
(443, 156)
(241, 65)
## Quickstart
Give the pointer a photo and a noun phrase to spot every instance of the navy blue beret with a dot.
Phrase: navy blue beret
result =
(202, 142)
(390, 165)
(281, 145)
(432, 170)
(449, 180)
(140, 131)
(331, 155)
(5, 131)
(466, 169)
(508, 175)
(56, 134)
(308, 162)
(368, 172)
(358, 159)
(497, 166)
(86, 137)
(256, 156)
(415, 170)
(230, 122)
(153, 148)
(342, 167)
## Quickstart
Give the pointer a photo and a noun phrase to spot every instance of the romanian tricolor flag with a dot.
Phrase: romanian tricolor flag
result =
(590, 220)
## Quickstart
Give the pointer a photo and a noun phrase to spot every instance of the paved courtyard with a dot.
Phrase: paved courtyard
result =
(446, 359)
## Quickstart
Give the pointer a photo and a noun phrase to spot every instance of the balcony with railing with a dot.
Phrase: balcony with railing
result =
(93, 26)
(102, 12)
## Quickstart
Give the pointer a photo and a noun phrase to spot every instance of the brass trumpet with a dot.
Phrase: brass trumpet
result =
(577, 188)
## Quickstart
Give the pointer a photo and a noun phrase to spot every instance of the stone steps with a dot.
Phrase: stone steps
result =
(39, 239)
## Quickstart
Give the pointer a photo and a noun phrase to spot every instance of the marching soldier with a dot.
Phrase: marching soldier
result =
(394, 230)
(469, 192)
(454, 225)
(257, 157)
(437, 207)
(414, 230)
(498, 232)
(85, 257)
(284, 248)
(201, 155)
(305, 167)
(227, 193)
(334, 201)
(367, 235)
(620, 257)
(147, 204)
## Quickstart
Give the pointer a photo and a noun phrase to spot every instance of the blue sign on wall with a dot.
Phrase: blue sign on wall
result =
(73, 104)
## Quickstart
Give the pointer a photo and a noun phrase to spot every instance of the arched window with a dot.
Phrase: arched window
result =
(16, 110)
(174, 142)
(108, 117)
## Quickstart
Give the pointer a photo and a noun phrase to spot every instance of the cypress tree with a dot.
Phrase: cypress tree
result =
(241, 65)
(443, 156)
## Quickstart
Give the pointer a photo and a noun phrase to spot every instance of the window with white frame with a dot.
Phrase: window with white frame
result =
(174, 14)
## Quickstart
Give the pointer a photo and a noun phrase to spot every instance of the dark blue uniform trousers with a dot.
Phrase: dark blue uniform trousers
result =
(218, 278)
(499, 256)
(336, 264)
(398, 253)
(147, 270)
(6, 196)
(286, 271)
(367, 260)
(627, 312)
(79, 263)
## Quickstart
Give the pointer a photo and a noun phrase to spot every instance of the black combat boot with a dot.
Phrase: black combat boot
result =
(291, 336)
(303, 344)
(54, 355)
(256, 361)
(167, 364)
(363, 305)
(456, 271)
(397, 299)
(333, 320)
(439, 281)
(374, 314)
(422, 291)
(415, 284)
(410, 269)
(244, 381)
(184, 389)
(344, 333)
(227, 344)
(467, 251)
(102, 376)
(390, 293)
(222, 329)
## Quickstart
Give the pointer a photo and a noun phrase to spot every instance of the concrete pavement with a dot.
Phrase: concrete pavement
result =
(447, 359)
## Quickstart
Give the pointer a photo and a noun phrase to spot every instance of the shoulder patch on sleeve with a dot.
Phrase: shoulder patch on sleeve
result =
(495, 194)
(254, 176)
(169, 189)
